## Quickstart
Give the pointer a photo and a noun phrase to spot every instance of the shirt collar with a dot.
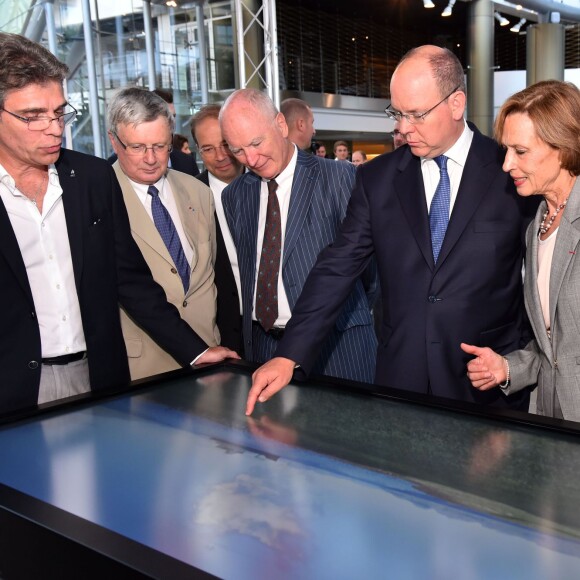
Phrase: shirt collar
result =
(141, 188)
(7, 180)
(287, 174)
(459, 151)
(214, 182)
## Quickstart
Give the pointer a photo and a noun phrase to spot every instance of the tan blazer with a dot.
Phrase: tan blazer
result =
(198, 307)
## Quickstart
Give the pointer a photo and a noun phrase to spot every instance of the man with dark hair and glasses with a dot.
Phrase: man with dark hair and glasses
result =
(447, 230)
(221, 168)
(67, 258)
(172, 218)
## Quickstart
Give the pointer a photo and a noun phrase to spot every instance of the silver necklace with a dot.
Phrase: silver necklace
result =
(34, 197)
(544, 227)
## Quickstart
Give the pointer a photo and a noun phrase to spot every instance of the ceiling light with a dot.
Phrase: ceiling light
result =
(517, 27)
(428, 4)
(171, 3)
(503, 21)
(449, 9)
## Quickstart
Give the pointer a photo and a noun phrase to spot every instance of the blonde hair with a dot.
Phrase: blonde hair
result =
(554, 109)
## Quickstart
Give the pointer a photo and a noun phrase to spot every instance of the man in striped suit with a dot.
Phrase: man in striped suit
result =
(281, 214)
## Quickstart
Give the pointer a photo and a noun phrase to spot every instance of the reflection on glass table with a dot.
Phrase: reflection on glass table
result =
(318, 484)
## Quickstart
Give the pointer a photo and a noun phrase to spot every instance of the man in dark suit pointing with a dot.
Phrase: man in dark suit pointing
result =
(447, 229)
(67, 257)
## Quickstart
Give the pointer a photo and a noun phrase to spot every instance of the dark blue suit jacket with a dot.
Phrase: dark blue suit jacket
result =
(183, 162)
(473, 294)
(320, 193)
(109, 271)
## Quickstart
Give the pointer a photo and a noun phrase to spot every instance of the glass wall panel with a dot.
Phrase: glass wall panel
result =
(15, 14)
(324, 46)
(118, 37)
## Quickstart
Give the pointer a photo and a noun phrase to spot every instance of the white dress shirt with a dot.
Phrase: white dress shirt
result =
(167, 199)
(217, 186)
(457, 156)
(44, 245)
(284, 181)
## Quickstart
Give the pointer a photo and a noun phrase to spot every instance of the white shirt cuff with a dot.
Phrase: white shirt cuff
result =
(194, 361)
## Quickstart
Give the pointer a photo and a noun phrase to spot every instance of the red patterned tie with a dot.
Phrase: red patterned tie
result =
(267, 285)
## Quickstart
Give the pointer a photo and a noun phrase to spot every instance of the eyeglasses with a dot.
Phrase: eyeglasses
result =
(415, 118)
(211, 151)
(141, 149)
(42, 123)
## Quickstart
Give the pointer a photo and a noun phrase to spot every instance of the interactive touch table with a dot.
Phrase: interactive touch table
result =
(171, 480)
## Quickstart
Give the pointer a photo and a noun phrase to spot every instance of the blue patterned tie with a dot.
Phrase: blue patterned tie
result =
(169, 235)
(439, 213)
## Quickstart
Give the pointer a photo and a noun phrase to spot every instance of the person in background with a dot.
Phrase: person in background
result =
(172, 221)
(300, 121)
(449, 250)
(398, 137)
(359, 157)
(319, 150)
(539, 128)
(281, 214)
(68, 257)
(181, 143)
(221, 168)
(341, 150)
(178, 160)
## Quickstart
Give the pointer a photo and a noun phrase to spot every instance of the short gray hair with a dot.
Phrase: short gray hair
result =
(134, 106)
(255, 98)
(23, 63)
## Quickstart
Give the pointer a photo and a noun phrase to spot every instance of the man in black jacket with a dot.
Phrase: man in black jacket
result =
(67, 257)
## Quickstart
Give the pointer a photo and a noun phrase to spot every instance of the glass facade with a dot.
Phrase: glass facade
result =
(324, 47)
(120, 55)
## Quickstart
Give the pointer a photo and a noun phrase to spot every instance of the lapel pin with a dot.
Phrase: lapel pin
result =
(571, 252)
(72, 173)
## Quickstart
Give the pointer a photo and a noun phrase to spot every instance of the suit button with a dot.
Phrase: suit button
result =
(33, 315)
(432, 299)
(173, 271)
(33, 364)
(184, 303)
